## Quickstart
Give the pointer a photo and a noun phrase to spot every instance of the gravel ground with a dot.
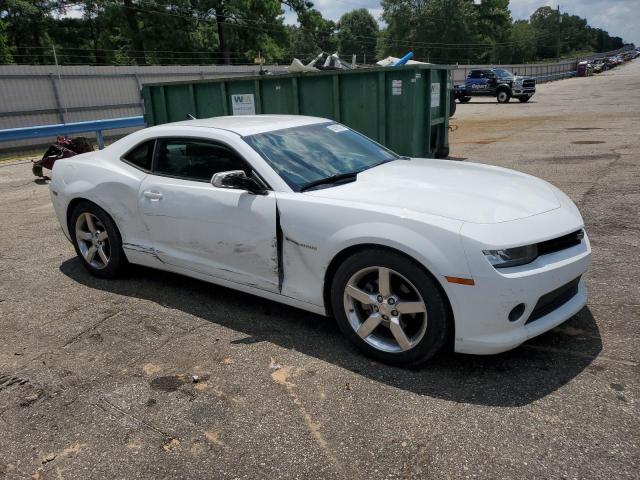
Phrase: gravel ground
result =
(104, 370)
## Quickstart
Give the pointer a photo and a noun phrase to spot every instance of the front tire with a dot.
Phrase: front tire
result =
(390, 307)
(97, 240)
(524, 99)
(503, 96)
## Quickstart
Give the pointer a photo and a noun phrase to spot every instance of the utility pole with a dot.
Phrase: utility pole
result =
(59, 94)
(558, 39)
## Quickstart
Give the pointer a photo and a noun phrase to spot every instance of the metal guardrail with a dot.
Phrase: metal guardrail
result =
(98, 126)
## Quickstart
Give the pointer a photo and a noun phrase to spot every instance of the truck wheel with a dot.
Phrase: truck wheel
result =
(503, 96)
(442, 152)
(465, 99)
(37, 170)
(524, 99)
(452, 107)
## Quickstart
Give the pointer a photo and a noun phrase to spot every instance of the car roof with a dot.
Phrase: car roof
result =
(245, 125)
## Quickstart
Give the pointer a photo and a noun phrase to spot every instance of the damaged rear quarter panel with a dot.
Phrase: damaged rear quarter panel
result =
(111, 186)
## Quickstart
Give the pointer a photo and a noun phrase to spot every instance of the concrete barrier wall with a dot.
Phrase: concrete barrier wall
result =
(45, 94)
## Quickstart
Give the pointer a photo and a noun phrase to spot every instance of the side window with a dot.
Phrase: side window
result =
(141, 155)
(475, 74)
(489, 74)
(196, 159)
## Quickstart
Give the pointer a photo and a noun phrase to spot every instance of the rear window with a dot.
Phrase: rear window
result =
(141, 155)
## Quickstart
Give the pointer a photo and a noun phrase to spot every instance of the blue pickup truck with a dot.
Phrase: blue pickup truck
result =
(495, 82)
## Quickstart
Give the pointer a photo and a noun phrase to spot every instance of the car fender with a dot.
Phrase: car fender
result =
(309, 247)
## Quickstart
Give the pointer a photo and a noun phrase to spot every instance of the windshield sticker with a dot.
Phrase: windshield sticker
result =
(336, 127)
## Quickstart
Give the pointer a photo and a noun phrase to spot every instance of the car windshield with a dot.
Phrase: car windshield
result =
(502, 73)
(309, 154)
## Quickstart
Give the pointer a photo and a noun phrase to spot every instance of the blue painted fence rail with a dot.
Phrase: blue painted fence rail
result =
(97, 126)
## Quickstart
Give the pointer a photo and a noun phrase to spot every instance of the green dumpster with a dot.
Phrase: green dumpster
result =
(404, 108)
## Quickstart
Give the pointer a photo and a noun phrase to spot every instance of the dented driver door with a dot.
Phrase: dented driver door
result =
(229, 234)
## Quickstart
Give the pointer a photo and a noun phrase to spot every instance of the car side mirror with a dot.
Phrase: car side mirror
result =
(237, 180)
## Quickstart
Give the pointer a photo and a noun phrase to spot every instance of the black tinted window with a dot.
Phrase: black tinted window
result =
(475, 74)
(141, 155)
(195, 159)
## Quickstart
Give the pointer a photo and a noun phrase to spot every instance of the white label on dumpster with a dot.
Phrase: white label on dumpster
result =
(396, 87)
(435, 95)
(243, 104)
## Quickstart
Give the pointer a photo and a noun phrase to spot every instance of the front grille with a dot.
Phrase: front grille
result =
(561, 243)
(553, 300)
(529, 83)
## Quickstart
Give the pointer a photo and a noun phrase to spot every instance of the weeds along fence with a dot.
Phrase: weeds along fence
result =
(46, 94)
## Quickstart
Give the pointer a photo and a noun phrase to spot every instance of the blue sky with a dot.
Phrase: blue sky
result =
(619, 17)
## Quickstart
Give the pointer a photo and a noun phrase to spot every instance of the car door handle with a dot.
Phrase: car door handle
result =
(152, 195)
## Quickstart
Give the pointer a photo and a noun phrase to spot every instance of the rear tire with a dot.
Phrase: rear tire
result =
(389, 307)
(503, 96)
(97, 240)
(465, 99)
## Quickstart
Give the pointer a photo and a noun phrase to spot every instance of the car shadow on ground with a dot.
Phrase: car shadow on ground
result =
(515, 378)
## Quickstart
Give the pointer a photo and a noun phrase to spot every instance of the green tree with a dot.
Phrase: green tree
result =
(5, 51)
(314, 35)
(27, 23)
(545, 21)
(523, 42)
(357, 33)
(433, 29)
(493, 28)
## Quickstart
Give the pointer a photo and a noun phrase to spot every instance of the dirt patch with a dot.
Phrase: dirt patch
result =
(570, 159)
(170, 383)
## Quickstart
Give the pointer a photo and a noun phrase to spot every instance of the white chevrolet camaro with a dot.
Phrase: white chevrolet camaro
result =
(408, 254)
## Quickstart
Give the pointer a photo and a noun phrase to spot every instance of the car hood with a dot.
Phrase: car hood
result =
(469, 192)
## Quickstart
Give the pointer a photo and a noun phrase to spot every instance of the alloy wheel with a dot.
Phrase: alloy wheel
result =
(93, 240)
(385, 309)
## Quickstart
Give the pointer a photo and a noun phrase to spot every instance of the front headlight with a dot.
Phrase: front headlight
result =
(511, 257)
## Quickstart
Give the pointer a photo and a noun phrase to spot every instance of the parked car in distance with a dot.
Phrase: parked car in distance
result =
(410, 255)
(497, 82)
(599, 66)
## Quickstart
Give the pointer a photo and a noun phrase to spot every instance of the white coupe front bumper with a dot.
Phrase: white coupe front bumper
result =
(482, 311)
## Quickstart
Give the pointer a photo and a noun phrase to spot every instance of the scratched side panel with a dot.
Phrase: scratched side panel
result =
(112, 185)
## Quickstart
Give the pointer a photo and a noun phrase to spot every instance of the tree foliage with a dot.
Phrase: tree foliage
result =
(449, 31)
(122, 32)
(357, 34)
